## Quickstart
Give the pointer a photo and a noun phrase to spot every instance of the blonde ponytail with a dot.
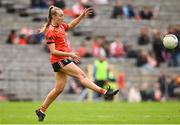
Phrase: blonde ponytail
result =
(43, 29)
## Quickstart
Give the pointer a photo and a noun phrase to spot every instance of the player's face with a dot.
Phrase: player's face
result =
(59, 17)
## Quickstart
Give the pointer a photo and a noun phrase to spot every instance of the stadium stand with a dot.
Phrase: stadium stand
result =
(26, 72)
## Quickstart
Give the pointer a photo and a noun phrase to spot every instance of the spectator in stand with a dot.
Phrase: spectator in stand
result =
(12, 37)
(146, 60)
(177, 33)
(151, 60)
(172, 85)
(134, 94)
(95, 46)
(106, 46)
(175, 54)
(142, 58)
(157, 92)
(146, 13)
(157, 46)
(168, 85)
(162, 83)
(79, 6)
(146, 93)
(98, 47)
(128, 10)
(35, 37)
(26, 31)
(117, 10)
(2, 96)
(77, 9)
(116, 48)
(177, 89)
(60, 3)
(178, 79)
(83, 51)
(22, 40)
(144, 39)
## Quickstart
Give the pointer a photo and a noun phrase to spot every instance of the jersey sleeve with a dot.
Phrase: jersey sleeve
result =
(66, 26)
(50, 37)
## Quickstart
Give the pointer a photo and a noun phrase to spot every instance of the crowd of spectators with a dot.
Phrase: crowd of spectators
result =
(24, 36)
(123, 10)
(149, 58)
(160, 53)
(73, 12)
(116, 48)
(129, 11)
(165, 88)
(100, 46)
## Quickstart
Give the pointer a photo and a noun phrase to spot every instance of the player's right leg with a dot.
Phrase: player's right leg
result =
(61, 80)
(73, 70)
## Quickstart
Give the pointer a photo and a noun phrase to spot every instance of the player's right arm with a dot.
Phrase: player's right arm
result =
(60, 53)
(50, 41)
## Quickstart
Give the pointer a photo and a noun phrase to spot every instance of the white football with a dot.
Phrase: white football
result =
(170, 41)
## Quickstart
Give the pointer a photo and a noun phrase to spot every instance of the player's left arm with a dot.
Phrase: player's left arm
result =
(76, 21)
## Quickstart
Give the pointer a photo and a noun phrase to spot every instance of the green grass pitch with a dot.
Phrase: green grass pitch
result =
(92, 113)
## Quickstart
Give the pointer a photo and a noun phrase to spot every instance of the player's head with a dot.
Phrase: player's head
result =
(55, 14)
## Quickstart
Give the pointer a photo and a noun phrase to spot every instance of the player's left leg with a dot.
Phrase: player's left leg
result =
(61, 80)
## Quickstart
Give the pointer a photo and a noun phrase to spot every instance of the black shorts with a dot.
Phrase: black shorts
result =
(58, 65)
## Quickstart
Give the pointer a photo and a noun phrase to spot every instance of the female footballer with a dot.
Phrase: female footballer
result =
(62, 59)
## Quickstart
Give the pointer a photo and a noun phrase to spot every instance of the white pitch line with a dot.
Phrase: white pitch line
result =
(89, 124)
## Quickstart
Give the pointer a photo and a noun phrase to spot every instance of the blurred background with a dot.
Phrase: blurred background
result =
(120, 44)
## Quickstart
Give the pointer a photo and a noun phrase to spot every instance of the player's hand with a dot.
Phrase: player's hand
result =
(75, 57)
(87, 11)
